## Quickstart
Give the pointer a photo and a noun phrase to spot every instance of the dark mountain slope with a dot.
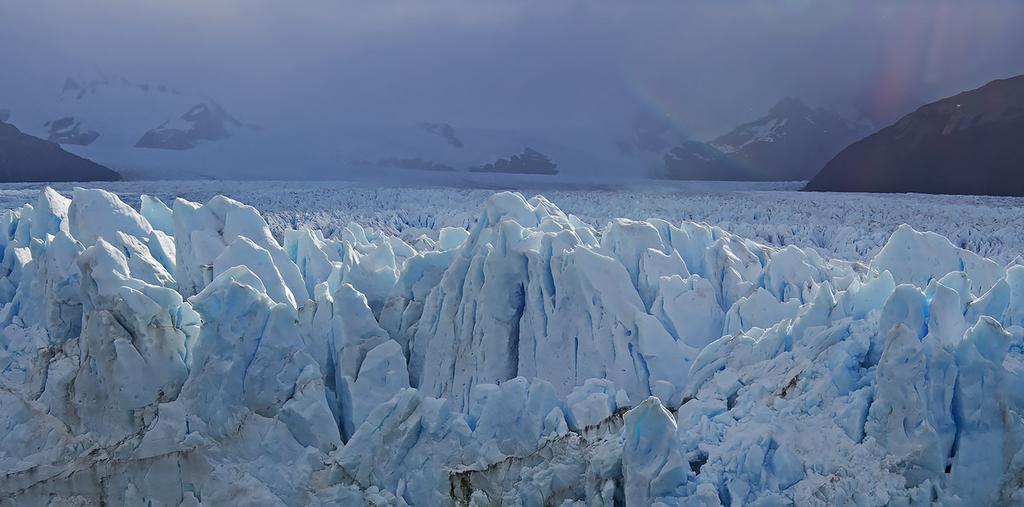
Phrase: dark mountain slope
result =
(27, 158)
(970, 143)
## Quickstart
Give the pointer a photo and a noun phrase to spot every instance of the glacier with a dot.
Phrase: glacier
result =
(187, 353)
(845, 226)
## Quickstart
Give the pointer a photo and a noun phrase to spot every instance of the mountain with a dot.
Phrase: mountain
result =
(128, 114)
(150, 130)
(27, 158)
(68, 130)
(694, 160)
(106, 110)
(118, 122)
(203, 122)
(969, 143)
(649, 132)
(530, 161)
(790, 143)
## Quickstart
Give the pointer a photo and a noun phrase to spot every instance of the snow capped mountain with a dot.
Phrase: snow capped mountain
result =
(27, 158)
(792, 142)
(141, 129)
(68, 130)
(156, 131)
(695, 154)
(183, 355)
(205, 122)
(769, 128)
(147, 130)
(965, 144)
(115, 110)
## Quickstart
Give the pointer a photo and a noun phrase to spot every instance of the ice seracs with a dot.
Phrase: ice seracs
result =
(653, 469)
(128, 327)
(917, 257)
(203, 232)
(183, 355)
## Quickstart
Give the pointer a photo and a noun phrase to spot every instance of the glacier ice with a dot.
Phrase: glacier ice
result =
(159, 216)
(95, 213)
(203, 232)
(653, 468)
(184, 355)
(917, 257)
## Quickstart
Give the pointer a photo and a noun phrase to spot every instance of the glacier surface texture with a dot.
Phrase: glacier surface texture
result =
(183, 353)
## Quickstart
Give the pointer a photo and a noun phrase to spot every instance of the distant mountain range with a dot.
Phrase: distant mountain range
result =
(27, 158)
(204, 122)
(530, 161)
(792, 142)
(114, 111)
(148, 130)
(970, 143)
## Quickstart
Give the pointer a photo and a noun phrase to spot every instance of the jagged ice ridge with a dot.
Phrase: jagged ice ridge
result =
(182, 355)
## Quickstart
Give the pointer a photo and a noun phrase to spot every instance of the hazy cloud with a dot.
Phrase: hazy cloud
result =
(707, 65)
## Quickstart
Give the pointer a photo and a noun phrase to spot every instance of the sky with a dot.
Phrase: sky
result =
(705, 65)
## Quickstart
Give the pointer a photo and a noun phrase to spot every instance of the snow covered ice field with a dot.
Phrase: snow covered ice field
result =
(348, 344)
(848, 226)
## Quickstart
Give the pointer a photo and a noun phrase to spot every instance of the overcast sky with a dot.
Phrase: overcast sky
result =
(708, 65)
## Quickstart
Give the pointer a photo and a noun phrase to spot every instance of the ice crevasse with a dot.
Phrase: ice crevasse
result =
(180, 354)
